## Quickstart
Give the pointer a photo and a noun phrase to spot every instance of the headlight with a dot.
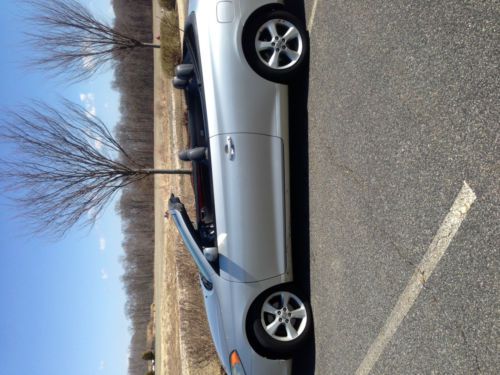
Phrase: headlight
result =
(236, 366)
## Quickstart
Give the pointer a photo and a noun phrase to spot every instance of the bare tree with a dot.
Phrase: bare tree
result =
(67, 166)
(69, 39)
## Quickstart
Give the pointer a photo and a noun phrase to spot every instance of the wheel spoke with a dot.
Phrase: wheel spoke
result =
(274, 60)
(271, 27)
(291, 33)
(291, 332)
(292, 55)
(271, 328)
(299, 313)
(268, 308)
(285, 299)
(263, 45)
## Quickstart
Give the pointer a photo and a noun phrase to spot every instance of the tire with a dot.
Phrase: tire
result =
(179, 83)
(269, 309)
(270, 51)
(184, 71)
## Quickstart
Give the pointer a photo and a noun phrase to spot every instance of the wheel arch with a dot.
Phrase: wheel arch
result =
(287, 74)
(251, 312)
(254, 16)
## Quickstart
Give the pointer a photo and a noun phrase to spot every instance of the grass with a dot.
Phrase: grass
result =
(170, 42)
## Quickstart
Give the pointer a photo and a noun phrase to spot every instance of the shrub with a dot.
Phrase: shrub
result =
(170, 42)
(167, 4)
(148, 356)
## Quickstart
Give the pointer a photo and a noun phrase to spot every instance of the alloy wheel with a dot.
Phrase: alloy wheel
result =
(279, 44)
(284, 316)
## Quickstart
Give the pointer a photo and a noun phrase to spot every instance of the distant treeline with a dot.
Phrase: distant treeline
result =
(134, 80)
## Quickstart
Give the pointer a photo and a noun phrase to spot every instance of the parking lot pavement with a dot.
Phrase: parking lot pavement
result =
(403, 109)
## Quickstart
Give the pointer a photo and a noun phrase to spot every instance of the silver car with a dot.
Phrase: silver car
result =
(238, 56)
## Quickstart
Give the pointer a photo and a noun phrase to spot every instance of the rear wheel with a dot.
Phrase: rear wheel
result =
(282, 322)
(276, 45)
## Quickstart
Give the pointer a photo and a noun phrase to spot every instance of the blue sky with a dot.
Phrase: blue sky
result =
(62, 309)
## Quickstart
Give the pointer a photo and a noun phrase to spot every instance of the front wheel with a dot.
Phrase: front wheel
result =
(276, 45)
(282, 322)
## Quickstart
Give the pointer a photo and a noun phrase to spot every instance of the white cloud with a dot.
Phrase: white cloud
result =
(102, 365)
(98, 144)
(104, 274)
(88, 101)
(102, 244)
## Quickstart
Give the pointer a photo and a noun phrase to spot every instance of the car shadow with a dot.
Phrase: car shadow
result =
(299, 193)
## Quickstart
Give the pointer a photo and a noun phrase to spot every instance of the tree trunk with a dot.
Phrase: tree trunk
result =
(152, 45)
(165, 171)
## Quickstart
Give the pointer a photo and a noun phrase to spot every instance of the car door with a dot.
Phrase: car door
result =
(248, 181)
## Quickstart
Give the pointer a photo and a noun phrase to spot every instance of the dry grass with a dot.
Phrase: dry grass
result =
(178, 290)
(167, 332)
(183, 343)
(170, 42)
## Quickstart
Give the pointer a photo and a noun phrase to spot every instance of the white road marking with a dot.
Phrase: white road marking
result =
(436, 250)
(313, 14)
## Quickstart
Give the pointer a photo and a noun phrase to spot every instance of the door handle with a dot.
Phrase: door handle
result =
(229, 148)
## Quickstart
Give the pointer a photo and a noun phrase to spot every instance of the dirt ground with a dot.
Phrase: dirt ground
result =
(182, 339)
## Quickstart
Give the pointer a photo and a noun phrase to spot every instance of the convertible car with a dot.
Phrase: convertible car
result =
(238, 56)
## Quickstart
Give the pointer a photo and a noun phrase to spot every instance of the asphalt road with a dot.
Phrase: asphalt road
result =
(403, 107)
